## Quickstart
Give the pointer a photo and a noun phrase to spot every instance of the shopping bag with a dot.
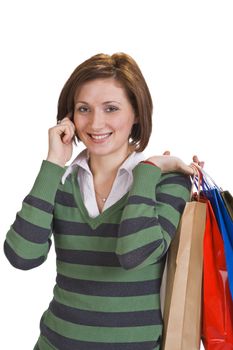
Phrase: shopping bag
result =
(225, 223)
(182, 310)
(228, 200)
(217, 307)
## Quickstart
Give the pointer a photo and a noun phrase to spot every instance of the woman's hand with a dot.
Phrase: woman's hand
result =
(169, 163)
(60, 142)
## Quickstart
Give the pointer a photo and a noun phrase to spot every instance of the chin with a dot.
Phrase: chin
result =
(99, 152)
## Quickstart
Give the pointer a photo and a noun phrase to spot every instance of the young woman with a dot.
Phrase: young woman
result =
(112, 213)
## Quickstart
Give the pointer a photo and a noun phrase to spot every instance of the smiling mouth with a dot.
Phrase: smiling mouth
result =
(100, 136)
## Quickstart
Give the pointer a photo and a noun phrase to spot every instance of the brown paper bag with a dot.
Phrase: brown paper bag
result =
(182, 310)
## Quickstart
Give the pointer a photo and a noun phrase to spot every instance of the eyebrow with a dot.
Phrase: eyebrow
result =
(104, 103)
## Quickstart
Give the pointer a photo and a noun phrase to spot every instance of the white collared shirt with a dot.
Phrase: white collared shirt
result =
(121, 185)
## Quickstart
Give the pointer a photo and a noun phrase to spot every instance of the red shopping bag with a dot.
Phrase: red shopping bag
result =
(217, 305)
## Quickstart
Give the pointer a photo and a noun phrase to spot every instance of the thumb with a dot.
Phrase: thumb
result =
(202, 164)
(166, 153)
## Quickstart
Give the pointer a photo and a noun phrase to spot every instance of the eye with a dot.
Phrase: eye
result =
(82, 109)
(112, 109)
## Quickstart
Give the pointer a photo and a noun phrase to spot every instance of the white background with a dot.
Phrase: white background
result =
(185, 51)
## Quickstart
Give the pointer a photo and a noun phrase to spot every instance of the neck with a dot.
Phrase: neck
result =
(108, 164)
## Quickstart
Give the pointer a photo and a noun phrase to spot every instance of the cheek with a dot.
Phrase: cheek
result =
(126, 127)
(122, 124)
(79, 123)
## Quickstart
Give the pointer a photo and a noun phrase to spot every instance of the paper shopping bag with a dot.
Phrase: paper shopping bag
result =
(182, 310)
(214, 194)
(225, 224)
(217, 309)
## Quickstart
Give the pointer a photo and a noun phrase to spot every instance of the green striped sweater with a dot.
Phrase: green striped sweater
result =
(109, 268)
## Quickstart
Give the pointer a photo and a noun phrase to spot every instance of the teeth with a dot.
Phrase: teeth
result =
(99, 137)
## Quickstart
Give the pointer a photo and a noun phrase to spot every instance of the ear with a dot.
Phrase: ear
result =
(136, 120)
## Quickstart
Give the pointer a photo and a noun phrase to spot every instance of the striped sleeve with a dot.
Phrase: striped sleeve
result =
(28, 240)
(151, 216)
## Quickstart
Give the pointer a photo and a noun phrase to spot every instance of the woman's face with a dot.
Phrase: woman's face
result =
(103, 116)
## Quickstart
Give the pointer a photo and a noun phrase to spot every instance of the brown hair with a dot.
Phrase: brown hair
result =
(124, 69)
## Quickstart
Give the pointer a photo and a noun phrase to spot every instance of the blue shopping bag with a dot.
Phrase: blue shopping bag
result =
(225, 223)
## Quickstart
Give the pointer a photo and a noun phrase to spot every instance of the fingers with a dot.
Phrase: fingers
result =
(195, 168)
(192, 169)
(197, 165)
(186, 169)
(66, 129)
(197, 161)
(67, 117)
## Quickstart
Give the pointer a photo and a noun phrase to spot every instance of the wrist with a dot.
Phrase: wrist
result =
(55, 161)
(148, 162)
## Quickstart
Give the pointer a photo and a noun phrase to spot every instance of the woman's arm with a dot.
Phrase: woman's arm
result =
(151, 216)
(28, 240)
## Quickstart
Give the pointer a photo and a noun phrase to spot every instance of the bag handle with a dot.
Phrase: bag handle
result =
(196, 180)
(209, 182)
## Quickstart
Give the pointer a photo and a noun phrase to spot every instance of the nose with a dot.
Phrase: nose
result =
(97, 120)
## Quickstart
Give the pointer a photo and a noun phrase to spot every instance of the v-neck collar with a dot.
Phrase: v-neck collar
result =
(93, 221)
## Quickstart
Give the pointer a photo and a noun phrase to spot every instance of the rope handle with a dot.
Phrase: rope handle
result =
(210, 182)
(204, 180)
(197, 183)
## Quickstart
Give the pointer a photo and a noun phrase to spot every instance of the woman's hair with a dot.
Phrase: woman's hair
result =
(125, 70)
